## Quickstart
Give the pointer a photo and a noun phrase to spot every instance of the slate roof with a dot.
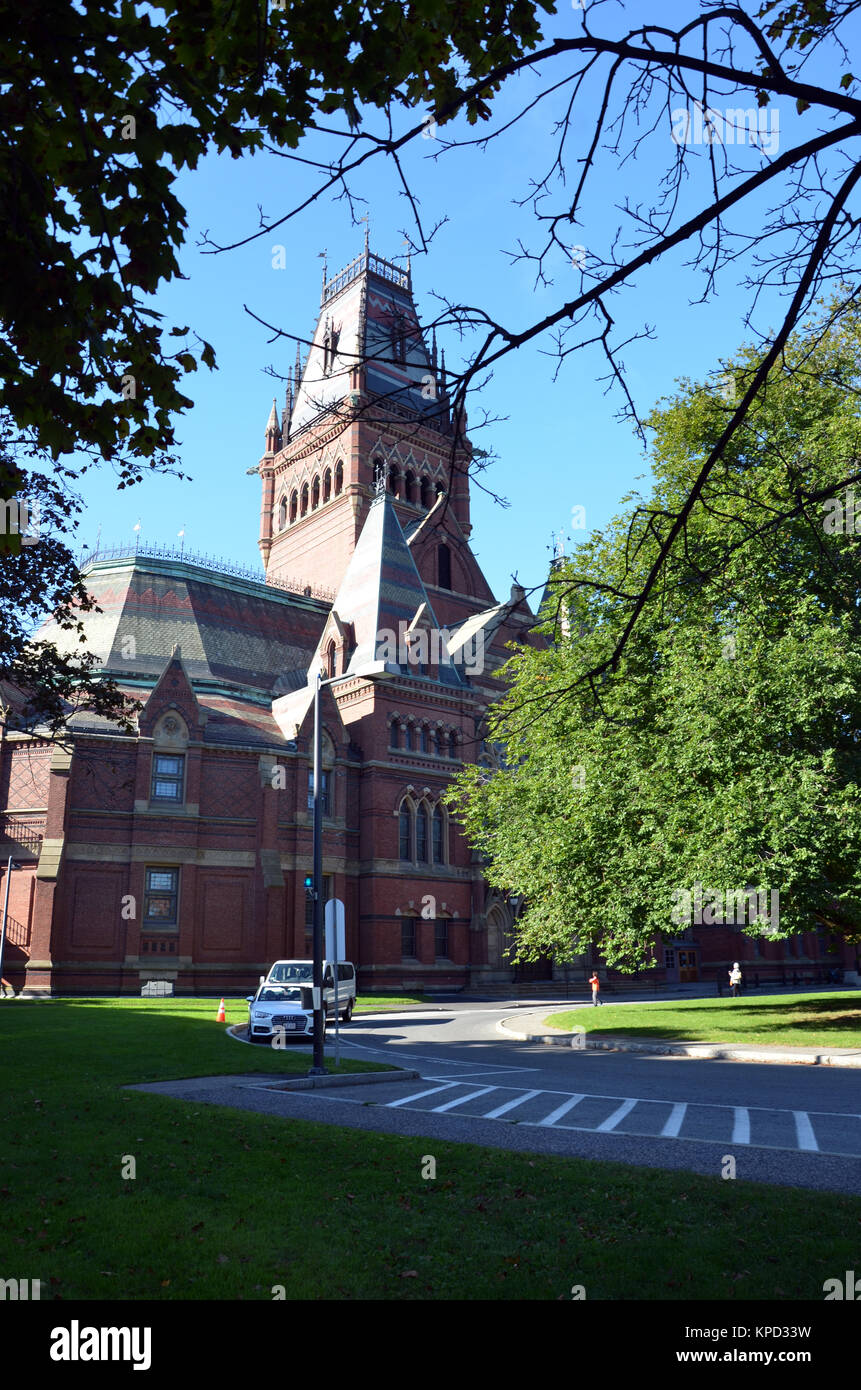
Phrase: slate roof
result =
(232, 632)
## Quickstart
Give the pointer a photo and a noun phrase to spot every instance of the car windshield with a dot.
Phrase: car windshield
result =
(300, 971)
(276, 994)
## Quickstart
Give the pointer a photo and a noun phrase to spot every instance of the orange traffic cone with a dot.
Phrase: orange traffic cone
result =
(221, 1016)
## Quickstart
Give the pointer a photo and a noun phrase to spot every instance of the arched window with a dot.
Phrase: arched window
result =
(423, 739)
(394, 730)
(444, 566)
(394, 480)
(282, 514)
(330, 660)
(427, 493)
(315, 493)
(339, 477)
(327, 484)
(408, 736)
(421, 835)
(439, 743)
(452, 745)
(405, 832)
(304, 507)
(438, 836)
(409, 487)
(294, 504)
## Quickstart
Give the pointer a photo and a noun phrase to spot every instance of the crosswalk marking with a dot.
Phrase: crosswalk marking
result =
(461, 1100)
(674, 1123)
(804, 1131)
(405, 1100)
(561, 1110)
(509, 1105)
(695, 1121)
(617, 1116)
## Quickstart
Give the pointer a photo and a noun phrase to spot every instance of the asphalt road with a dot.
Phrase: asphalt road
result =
(798, 1126)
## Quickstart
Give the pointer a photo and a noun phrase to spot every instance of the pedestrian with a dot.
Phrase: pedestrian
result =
(735, 980)
(596, 985)
(4, 985)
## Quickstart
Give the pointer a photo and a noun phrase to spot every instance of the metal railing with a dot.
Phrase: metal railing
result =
(215, 564)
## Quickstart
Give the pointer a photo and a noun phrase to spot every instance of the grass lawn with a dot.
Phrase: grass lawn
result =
(368, 1003)
(228, 1205)
(793, 1020)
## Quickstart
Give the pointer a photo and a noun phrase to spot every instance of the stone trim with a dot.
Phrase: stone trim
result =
(161, 854)
(49, 858)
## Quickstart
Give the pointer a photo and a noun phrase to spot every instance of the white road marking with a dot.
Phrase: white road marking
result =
(509, 1105)
(740, 1125)
(804, 1131)
(561, 1110)
(617, 1116)
(485, 1071)
(461, 1100)
(674, 1123)
(420, 1095)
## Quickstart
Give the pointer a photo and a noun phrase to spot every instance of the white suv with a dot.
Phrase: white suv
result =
(281, 1009)
(301, 972)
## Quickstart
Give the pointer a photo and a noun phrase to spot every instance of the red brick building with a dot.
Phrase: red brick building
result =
(180, 851)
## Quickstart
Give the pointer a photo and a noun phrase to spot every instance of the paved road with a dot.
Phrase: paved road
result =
(792, 1124)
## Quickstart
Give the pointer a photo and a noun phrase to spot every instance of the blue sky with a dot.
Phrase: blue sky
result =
(560, 445)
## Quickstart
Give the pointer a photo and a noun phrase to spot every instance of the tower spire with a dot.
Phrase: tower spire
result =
(273, 432)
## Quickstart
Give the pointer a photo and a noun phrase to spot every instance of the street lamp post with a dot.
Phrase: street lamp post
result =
(318, 1068)
(9, 867)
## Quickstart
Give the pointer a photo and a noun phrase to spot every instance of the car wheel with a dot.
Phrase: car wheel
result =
(348, 1013)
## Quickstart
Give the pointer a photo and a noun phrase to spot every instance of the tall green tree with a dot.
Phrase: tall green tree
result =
(725, 749)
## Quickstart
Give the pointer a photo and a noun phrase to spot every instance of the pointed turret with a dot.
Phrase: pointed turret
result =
(273, 431)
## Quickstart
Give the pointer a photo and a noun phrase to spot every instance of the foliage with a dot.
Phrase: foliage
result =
(724, 748)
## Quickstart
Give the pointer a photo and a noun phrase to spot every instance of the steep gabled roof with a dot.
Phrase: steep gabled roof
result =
(382, 596)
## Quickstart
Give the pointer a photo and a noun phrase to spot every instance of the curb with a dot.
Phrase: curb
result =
(359, 1078)
(702, 1051)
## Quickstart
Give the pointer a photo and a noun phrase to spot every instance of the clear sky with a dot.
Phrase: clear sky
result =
(559, 443)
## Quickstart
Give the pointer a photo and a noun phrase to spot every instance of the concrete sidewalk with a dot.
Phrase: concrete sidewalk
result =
(533, 1028)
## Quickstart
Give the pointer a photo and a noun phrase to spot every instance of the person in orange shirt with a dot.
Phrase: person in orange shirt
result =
(596, 985)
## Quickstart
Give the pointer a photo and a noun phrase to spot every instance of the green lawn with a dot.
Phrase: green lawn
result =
(794, 1020)
(228, 1205)
(367, 1003)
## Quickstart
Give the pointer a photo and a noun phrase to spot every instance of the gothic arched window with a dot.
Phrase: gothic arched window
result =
(438, 836)
(421, 835)
(304, 506)
(394, 480)
(452, 745)
(394, 741)
(410, 487)
(294, 504)
(282, 514)
(315, 493)
(408, 737)
(327, 484)
(330, 660)
(405, 832)
(427, 493)
(339, 477)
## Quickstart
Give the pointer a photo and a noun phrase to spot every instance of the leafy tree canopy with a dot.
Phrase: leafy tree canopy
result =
(725, 748)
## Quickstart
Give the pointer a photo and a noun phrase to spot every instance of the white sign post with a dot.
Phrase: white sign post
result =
(335, 952)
